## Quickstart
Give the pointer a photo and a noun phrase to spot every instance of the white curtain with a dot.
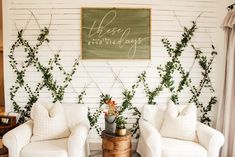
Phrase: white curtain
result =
(226, 109)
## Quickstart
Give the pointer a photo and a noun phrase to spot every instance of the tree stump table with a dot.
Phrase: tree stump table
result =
(3, 150)
(6, 124)
(116, 146)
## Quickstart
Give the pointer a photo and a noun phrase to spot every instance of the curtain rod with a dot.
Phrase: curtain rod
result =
(231, 6)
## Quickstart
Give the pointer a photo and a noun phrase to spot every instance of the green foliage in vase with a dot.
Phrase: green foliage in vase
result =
(121, 122)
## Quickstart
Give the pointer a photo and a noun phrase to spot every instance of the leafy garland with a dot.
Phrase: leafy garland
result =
(166, 75)
(167, 81)
(206, 66)
(165, 72)
(48, 81)
(126, 105)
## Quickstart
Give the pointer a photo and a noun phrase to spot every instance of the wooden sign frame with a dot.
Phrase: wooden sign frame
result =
(116, 33)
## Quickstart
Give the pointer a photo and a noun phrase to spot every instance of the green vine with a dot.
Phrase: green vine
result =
(80, 96)
(206, 66)
(126, 105)
(166, 72)
(93, 117)
(48, 81)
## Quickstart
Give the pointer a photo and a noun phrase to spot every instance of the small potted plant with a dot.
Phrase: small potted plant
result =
(120, 126)
(110, 114)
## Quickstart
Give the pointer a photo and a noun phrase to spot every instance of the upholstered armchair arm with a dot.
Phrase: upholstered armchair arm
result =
(77, 142)
(149, 144)
(210, 138)
(17, 138)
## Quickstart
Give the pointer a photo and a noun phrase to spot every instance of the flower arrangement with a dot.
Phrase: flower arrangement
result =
(112, 106)
(114, 121)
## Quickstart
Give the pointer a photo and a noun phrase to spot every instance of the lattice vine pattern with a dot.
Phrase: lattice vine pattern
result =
(128, 96)
(174, 65)
(166, 74)
(48, 81)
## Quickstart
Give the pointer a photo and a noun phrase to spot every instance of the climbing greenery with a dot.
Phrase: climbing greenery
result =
(173, 65)
(128, 95)
(206, 66)
(48, 81)
(166, 73)
(93, 117)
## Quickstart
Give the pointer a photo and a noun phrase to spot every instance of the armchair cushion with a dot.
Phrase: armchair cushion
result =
(50, 148)
(180, 125)
(49, 122)
(179, 148)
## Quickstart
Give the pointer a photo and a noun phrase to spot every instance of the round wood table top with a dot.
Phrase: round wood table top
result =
(104, 134)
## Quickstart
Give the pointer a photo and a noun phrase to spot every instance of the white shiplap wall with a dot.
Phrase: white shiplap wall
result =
(65, 36)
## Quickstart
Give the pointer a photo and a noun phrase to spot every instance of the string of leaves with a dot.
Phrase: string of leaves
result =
(174, 65)
(128, 96)
(166, 72)
(48, 81)
(206, 66)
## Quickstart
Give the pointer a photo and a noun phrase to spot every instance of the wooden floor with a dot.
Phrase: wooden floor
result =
(99, 154)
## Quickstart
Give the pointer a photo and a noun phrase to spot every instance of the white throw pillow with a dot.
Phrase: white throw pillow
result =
(154, 115)
(180, 125)
(48, 122)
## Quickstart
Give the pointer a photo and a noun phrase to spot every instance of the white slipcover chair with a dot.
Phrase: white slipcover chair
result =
(152, 144)
(19, 145)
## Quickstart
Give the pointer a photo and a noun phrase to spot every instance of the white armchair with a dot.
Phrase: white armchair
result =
(152, 144)
(19, 145)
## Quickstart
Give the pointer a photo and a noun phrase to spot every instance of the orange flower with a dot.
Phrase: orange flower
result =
(112, 108)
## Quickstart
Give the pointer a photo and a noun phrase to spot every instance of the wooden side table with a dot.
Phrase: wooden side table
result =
(6, 124)
(3, 150)
(116, 146)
